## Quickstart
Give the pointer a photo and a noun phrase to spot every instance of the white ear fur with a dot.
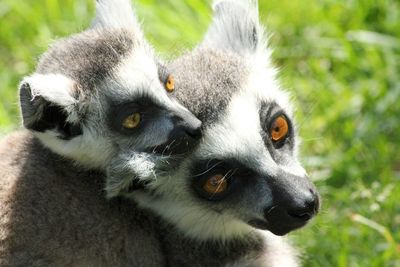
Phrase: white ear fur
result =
(116, 14)
(250, 4)
(55, 88)
(38, 91)
(235, 27)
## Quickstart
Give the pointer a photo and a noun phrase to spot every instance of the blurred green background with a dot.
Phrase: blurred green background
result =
(341, 61)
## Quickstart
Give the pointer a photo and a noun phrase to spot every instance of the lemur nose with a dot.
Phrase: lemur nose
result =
(194, 133)
(306, 208)
(189, 125)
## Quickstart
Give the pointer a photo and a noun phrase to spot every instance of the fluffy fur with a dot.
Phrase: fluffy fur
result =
(53, 208)
(79, 90)
(52, 216)
(228, 82)
(53, 213)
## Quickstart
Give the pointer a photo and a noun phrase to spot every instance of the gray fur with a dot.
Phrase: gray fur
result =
(89, 57)
(55, 214)
(82, 82)
(186, 252)
(228, 84)
(207, 79)
(52, 216)
(54, 209)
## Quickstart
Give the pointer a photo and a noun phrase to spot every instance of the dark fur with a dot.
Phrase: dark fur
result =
(53, 216)
(186, 252)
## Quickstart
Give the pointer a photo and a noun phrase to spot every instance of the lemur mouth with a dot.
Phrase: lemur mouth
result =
(259, 224)
(277, 228)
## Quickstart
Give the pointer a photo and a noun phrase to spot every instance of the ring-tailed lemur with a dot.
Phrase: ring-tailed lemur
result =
(206, 207)
(245, 174)
(97, 103)
(100, 98)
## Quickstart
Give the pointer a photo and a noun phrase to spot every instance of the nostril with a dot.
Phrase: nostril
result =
(307, 210)
(186, 124)
(311, 204)
(302, 216)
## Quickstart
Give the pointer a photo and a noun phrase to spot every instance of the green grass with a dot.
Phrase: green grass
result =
(341, 61)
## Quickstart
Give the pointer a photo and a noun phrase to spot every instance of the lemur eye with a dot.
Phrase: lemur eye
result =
(279, 129)
(216, 184)
(170, 84)
(132, 121)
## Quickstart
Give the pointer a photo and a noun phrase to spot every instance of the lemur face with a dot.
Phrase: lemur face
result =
(101, 98)
(245, 172)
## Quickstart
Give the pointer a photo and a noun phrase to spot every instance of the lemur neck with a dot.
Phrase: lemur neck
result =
(207, 253)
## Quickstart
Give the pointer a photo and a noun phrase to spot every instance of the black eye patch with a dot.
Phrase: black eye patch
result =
(234, 172)
(144, 106)
(269, 112)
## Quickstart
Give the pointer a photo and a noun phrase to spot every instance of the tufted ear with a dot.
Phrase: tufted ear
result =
(48, 103)
(116, 14)
(235, 27)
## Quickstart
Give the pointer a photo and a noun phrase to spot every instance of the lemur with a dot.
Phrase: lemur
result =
(100, 98)
(245, 176)
(210, 210)
(97, 105)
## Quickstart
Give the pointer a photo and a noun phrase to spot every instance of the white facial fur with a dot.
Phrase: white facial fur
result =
(82, 86)
(236, 134)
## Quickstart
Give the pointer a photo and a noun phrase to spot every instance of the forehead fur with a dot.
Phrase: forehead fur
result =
(88, 57)
(206, 80)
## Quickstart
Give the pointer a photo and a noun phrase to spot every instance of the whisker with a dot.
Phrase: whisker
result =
(212, 167)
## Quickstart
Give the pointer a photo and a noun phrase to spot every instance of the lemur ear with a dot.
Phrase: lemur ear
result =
(235, 27)
(49, 102)
(116, 14)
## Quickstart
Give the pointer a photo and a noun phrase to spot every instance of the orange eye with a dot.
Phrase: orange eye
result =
(132, 121)
(216, 184)
(170, 84)
(279, 129)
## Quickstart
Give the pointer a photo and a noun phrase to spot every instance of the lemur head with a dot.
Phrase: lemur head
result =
(101, 98)
(245, 173)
